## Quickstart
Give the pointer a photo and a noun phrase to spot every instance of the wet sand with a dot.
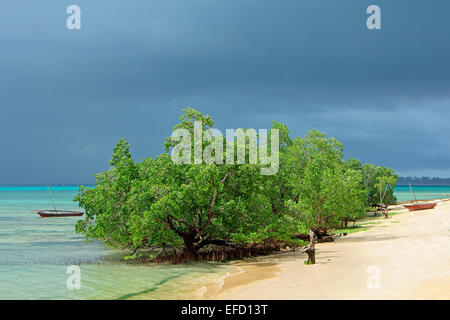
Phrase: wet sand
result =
(404, 257)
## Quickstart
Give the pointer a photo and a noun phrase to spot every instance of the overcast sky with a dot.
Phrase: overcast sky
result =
(67, 96)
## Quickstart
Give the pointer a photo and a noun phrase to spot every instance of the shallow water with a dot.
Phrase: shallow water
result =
(35, 253)
(403, 193)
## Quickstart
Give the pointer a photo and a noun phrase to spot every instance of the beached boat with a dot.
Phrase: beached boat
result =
(420, 206)
(57, 213)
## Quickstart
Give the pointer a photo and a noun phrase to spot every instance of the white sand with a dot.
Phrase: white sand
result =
(410, 250)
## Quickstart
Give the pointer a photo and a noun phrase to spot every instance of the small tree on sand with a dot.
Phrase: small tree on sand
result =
(385, 183)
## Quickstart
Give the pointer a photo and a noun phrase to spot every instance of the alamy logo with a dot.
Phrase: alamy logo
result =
(214, 151)
(374, 280)
(374, 20)
(74, 280)
(73, 22)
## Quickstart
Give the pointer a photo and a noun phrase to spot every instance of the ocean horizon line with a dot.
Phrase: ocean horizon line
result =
(93, 184)
(45, 185)
(7, 188)
(424, 185)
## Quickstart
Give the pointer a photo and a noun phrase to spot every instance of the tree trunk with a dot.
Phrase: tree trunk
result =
(385, 211)
(311, 249)
(274, 208)
(345, 223)
(190, 250)
(311, 254)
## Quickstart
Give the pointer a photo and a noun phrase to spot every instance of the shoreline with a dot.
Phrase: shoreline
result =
(410, 250)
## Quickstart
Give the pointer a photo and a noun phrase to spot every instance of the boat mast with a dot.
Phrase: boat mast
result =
(51, 196)
(410, 187)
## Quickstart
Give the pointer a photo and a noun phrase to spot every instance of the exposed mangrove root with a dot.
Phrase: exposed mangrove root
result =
(213, 253)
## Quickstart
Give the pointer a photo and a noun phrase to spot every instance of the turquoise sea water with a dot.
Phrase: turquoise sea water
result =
(35, 253)
(403, 193)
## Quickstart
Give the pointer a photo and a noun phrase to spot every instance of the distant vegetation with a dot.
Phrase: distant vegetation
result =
(218, 212)
(423, 181)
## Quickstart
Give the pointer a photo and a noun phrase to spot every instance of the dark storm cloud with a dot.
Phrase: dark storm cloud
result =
(67, 96)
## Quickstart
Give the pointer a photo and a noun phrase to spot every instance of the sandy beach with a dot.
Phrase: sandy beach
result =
(404, 257)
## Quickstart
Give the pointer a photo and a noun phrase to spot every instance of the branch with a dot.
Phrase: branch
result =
(172, 227)
(217, 242)
(211, 206)
(178, 220)
(200, 217)
(224, 178)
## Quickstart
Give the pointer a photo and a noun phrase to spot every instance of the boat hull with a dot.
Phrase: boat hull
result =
(57, 214)
(420, 206)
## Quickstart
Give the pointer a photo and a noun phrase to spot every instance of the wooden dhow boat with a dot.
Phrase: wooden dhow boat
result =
(419, 206)
(57, 213)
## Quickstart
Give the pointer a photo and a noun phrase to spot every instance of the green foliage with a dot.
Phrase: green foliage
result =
(327, 191)
(354, 164)
(373, 178)
(108, 213)
(352, 195)
(157, 203)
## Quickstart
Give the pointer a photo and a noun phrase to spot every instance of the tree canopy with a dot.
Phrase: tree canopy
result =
(159, 203)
